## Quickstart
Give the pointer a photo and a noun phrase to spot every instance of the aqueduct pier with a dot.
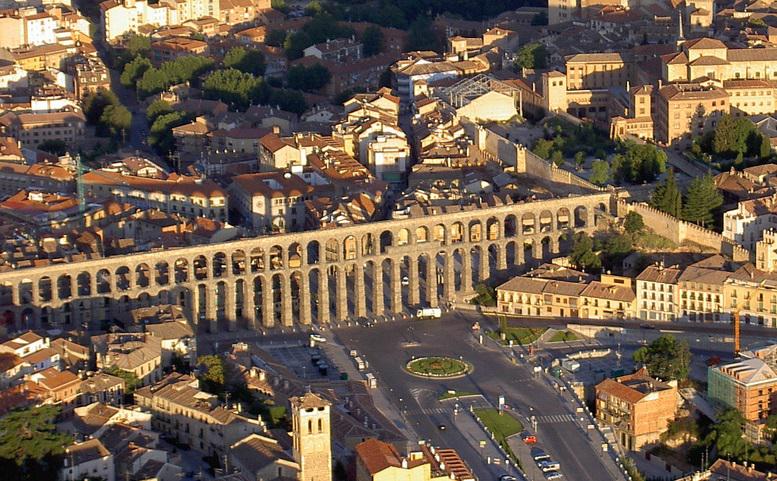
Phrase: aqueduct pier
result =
(304, 277)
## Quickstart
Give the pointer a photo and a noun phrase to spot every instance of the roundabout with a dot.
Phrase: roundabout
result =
(438, 367)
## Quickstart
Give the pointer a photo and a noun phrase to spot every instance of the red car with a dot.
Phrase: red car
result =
(529, 438)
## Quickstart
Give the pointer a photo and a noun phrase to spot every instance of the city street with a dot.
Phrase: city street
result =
(389, 346)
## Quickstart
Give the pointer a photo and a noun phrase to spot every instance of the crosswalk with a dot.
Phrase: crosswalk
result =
(556, 418)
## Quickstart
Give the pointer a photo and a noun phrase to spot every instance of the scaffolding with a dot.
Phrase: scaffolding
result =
(465, 91)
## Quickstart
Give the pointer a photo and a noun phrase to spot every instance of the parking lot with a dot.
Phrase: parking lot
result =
(300, 359)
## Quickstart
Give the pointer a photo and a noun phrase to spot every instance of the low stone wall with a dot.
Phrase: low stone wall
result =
(679, 231)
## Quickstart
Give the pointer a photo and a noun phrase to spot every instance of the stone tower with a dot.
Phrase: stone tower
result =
(312, 437)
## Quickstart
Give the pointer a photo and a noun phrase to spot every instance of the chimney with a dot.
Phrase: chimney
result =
(276, 130)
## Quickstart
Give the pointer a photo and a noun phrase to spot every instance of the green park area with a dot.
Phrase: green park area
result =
(437, 367)
(502, 425)
(564, 336)
(519, 335)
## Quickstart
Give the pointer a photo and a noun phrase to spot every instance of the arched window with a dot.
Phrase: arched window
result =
(320, 425)
(310, 426)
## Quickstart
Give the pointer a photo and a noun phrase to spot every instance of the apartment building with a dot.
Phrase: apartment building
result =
(701, 288)
(637, 407)
(31, 129)
(746, 224)
(526, 296)
(752, 293)
(86, 460)
(41, 57)
(271, 201)
(337, 50)
(658, 293)
(193, 417)
(750, 96)
(89, 76)
(610, 298)
(176, 194)
(747, 385)
(137, 353)
(593, 71)
(687, 110)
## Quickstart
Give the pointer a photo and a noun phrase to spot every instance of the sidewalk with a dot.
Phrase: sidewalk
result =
(337, 354)
(477, 437)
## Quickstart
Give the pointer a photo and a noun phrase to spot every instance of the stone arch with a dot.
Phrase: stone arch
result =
(221, 293)
(27, 319)
(528, 249)
(475, 229)
(296, 289)
(562, 219)
(122, 278)
(385, 272)
(332, 250)
(162, 273)
(510, 226)
(528, 223)
(511, 254)
(313, 252)
(144, 299)
(350, 251)
(276, 258)
(103, 281)
(240, 299)
(8, 320)
(581, 216)
(259, 290)
(84, 283)
(314, 287)
(547, 248)
(295, 255)
(492, 228)
(546, 221)
(258, 260)
(438, 233)
(421, 234)
(494, 252)
(64, 287)
(45, 289)
(238, 259)
(200, 267)
(142, 275)
(219, 265)
(25, 291)
(475, 253)
(386, 241)
(565, 242)
(368, 244)
(181, 268)
(457, 232)
(403, 237)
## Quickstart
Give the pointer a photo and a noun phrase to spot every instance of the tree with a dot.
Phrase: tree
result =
(246, 60)
(53, 146)
(733, 136)
(532, 55)
(117, 118)
(765, 148)
(30, 446)
(212, 373)
(557, 158)
(633, 223)
(600, 172)
(665, 358)
(543, 148)
(579, 160)
(160, 134)
(423, 36)
(616, 248)
(295, 44)
(288, 100)
(134, 70)
(308, 79)
(157, 108)
(131, 381)
(728, 435)
(96, 102)
(667, 197)
(701, 201)
(233, 87)
(372, 40)
(583, 256)
(275, 38)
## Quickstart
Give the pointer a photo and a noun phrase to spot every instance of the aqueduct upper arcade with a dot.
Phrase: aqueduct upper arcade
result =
(304, 277)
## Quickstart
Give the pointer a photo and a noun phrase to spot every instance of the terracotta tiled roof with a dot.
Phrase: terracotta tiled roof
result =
(377, 456)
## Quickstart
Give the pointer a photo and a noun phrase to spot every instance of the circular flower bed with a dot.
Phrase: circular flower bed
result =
(437, 367)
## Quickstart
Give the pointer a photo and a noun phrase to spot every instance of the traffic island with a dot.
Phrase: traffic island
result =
(438, 367)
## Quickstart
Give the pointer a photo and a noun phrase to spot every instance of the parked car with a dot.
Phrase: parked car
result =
(548, 465)
(528, 438)
(507, 477)
(539, 455)
(553, 475)
(317, 338)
